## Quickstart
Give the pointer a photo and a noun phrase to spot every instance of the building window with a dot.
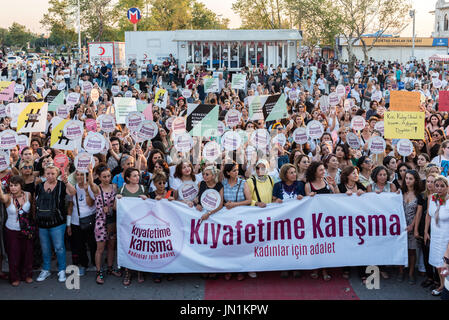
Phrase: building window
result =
(242, 54)
(446, 23)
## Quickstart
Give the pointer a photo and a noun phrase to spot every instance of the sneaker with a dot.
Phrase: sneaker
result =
(61, 276)
(81, 271)
(43, 275)
(252, 275)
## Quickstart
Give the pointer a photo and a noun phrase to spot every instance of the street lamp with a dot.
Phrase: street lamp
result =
(412, 15)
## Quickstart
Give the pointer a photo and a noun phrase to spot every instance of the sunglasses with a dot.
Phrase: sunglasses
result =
(27, 167)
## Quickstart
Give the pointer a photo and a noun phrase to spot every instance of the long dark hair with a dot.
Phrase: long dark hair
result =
(311, 170)
(416, 184)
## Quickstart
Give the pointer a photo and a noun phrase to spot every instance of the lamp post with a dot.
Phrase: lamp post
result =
(79, 31)
(412, 14)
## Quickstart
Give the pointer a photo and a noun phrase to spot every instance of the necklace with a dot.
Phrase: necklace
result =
(351, 188)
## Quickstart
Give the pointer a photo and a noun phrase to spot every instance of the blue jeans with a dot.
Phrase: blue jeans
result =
(53, 236)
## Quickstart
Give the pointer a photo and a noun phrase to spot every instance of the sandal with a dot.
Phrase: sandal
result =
(115, 272)
(436, 292)
(228, 276)
(314, 275)
(100, 277)
(29, 280)
(127, 278)
(240, 277)
(15, 283)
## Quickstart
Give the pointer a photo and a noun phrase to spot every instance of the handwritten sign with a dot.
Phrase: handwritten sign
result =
(404, 125)
(405, 101)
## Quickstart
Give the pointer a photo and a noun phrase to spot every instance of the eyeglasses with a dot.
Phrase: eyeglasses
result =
(27, 167)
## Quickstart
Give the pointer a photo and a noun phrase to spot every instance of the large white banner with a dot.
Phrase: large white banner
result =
(318, 232)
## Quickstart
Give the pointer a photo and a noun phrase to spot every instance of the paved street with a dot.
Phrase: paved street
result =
(268, 286)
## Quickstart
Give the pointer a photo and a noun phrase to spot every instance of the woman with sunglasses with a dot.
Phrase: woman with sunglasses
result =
(26, 171)
(435, 146)
(160, 192)
(210, 181)
(442, 160)
(105, 219)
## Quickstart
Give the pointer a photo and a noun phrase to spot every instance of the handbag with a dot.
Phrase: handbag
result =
(27, 226)
(86, 222)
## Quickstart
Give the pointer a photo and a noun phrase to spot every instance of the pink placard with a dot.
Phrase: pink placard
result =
(443, 99)
(61, 161)
(7, 93)
(91, 125)
(148, 112)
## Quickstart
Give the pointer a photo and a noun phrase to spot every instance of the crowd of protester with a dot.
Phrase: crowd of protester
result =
(147, 170)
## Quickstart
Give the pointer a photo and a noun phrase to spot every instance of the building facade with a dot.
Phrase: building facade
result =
(441, 26)
(215, 49)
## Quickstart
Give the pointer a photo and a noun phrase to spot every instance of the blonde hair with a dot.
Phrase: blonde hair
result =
(214, 171)
(443, 179)
(51, 166)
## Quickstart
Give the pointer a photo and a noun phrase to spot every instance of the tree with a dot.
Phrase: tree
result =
(203, 18)
(171, 14)
(318, 20)
(261, 14)
(18, 36)
(60, 21)
(360, 17)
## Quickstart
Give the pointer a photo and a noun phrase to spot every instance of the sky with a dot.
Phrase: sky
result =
(30, 12)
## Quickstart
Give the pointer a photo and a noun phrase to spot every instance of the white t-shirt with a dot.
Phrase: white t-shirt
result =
(84, 208)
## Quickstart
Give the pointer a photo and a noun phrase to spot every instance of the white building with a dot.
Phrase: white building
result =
(233, 49)
(395, 49)
(441, 26)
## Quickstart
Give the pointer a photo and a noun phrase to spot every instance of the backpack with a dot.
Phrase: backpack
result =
(409, 86)
(47, 207)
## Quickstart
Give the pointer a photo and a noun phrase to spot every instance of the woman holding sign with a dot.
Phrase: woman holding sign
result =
(131, 188)
(210, 182)
(318, 184)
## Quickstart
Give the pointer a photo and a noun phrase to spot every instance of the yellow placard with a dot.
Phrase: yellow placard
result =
(33, 118)
(405, 101)
(404, 125)
(56, 133)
